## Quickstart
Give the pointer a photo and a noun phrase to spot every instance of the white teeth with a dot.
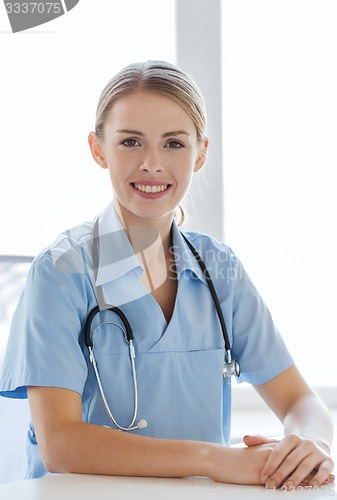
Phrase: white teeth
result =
(150, 189)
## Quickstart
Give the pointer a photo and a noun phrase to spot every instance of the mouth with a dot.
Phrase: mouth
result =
(150, 188)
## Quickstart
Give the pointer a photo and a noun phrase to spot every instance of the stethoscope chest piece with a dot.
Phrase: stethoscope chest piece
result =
(230, 367)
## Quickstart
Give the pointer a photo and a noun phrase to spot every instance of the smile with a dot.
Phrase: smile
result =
(151, 189)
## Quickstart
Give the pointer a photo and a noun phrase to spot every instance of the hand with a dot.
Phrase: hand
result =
(238, 464)
(294, 461)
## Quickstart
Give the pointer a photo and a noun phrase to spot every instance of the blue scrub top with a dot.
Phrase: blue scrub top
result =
(182, 394)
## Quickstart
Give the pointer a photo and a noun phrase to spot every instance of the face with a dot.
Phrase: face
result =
(151, 150)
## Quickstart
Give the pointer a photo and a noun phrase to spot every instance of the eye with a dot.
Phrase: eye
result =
(174, 145)
(130, 143)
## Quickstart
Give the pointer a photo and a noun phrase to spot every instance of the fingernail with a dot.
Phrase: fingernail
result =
(271, 484)
(264, 478)
(288, 484)
(313, 483)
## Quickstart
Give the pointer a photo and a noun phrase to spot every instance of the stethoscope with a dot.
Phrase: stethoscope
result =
(231, 367)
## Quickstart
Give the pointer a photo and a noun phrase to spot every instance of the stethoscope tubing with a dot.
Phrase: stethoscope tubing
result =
(131, 426)
(116, 310)
(230, 367)
(213, 293)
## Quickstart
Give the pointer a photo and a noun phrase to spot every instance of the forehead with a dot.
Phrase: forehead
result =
(144, 109)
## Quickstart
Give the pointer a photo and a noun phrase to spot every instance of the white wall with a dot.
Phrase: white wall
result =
(50, 83)
(280, 163)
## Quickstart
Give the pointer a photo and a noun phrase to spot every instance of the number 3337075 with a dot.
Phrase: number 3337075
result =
(33, 8)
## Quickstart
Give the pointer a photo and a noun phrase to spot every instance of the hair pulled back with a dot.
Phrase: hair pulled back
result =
(154, 76)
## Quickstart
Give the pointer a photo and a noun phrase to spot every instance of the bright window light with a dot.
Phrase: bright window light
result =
(50, 83)
(280, 159)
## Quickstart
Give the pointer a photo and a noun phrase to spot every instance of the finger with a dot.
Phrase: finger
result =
(257, 439)
(289, 464)
(292, 470)
(323, 474)
(309, 477)
(276, 457)
(301, 474)
(309, 473)
(328, 480)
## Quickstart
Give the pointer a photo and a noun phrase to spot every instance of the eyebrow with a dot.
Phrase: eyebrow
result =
(137, 132)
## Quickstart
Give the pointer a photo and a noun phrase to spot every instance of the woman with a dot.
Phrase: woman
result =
(151, 136)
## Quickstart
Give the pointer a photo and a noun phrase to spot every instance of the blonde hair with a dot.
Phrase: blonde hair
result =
(154, 76)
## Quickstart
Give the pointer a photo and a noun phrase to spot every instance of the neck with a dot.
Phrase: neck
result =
(147, 236)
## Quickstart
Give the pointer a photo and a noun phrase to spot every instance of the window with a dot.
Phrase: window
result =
(49, 90)
(279, 130)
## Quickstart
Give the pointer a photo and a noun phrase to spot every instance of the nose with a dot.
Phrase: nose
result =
(151, 161)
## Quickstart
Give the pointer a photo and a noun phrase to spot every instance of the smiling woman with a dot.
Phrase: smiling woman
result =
(200, 315)
(175, 326)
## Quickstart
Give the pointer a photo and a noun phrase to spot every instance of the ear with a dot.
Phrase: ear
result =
(202, 155)
(96, 150)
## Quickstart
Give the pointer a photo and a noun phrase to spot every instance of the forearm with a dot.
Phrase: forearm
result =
(309, 418)
(86, 448)
(69, 445)
(90, 449)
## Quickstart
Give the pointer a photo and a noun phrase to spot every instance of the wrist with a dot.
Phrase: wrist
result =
(218, 462)
(203, 459)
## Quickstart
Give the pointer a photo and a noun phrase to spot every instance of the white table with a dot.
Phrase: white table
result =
(87, 487)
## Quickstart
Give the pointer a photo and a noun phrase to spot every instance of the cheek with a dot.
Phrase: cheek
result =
(185, 167)
(118, 164)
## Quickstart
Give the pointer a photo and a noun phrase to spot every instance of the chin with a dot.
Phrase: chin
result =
(147, 213)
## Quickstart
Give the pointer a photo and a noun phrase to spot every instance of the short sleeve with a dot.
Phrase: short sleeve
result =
(44, 347)
(257, 343)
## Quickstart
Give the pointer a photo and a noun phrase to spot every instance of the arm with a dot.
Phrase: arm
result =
(308, 431)
(69, 445)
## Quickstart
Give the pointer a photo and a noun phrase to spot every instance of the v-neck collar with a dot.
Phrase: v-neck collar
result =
(116, 256)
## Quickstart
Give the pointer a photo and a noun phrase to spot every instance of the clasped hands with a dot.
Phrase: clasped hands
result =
(293, 461)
